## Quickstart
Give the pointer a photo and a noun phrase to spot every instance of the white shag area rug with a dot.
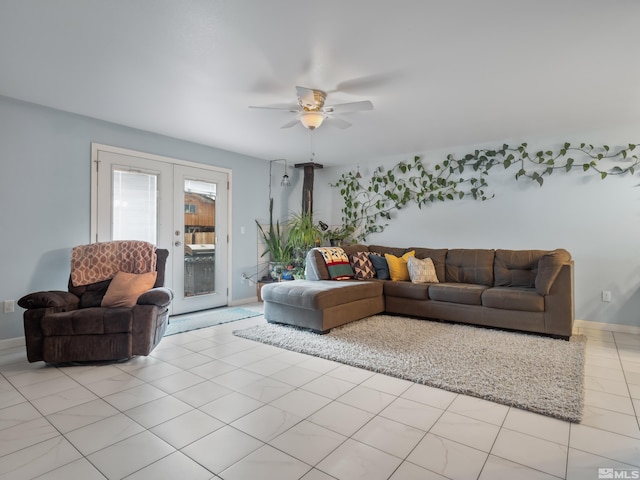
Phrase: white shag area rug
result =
(530, 372)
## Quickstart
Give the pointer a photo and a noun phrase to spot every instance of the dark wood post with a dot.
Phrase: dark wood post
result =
(307, 186)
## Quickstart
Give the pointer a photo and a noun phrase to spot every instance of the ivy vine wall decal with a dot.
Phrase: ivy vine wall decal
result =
(367, 206)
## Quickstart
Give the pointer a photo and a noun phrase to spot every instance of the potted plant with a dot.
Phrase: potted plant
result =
(303, 235)
(298, 272)
(337, 235)
(277, 246)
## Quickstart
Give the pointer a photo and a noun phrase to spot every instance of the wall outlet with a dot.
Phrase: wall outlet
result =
(243, 278)
(9, 306)
(606, 296)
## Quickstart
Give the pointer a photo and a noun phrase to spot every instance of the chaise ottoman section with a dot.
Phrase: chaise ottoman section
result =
(321, 305)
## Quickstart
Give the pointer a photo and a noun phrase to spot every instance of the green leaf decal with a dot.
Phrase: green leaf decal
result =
(388, 190)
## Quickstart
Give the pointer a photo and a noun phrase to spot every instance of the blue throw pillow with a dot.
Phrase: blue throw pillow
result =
(381, 266)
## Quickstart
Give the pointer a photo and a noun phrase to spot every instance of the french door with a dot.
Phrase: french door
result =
(176, 205)
(199, 239)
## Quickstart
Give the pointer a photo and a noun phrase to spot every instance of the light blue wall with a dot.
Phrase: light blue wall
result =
(45, 208)
(45, 184)
(598, 221)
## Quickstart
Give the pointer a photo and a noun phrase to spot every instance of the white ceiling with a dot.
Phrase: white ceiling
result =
(439, 73)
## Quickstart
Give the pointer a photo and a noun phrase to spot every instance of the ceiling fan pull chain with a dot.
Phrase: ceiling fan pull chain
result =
(313, 151)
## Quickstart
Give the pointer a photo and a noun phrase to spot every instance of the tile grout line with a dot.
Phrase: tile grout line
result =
(626, 381)
(326, 374)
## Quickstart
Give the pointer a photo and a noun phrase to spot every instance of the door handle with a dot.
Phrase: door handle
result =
(177, 243)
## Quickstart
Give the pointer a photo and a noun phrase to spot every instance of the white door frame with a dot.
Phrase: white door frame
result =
(95, 165)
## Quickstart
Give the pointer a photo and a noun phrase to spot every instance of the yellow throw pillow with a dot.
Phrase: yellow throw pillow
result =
(125, 288)
(398, 269)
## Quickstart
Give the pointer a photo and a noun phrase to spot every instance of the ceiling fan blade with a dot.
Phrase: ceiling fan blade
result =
(350, 107)
(291, 123)
(337, 122)
(293, 109)
(369, 82)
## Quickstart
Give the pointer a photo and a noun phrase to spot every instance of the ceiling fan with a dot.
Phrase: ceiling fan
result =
(312, 112)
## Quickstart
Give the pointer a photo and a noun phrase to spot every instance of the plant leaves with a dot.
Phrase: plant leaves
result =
(391, 189)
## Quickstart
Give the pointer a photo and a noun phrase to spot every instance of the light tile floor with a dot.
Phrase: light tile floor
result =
(208, 405)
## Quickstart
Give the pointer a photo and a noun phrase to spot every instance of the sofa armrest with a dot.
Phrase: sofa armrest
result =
(559, 304)
(549, 266)
(315, 266)
(55, 298)
(159, 296)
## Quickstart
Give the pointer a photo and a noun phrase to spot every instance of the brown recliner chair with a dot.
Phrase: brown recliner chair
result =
(72, 326)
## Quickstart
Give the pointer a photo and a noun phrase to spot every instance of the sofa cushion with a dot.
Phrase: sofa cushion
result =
(414, 291)
(319, 295)
(438, 255)
(516, 268)
(125, 288)
(465, 293)
(549, 267)
(354, 248)
(422, 270)
(90, 295)
(397, 251)
(380, 265)
(362, 266)
(513, 298)
(398, 270)
(470, 266)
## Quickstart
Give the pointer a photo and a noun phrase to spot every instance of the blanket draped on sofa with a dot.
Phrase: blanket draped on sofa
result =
(100, 261)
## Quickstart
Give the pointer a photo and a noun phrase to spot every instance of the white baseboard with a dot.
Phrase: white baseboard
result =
(243, 301)
(611, 327)
(12, 343)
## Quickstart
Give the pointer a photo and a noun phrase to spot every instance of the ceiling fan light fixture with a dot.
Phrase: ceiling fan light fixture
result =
(312, 120)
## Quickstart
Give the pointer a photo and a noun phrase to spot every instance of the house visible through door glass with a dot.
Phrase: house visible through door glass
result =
(199, 237)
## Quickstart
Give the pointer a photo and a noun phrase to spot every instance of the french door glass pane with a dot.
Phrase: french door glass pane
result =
(135, 206)
(199, 237)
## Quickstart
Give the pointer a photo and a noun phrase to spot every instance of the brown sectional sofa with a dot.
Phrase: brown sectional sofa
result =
(526, 290)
